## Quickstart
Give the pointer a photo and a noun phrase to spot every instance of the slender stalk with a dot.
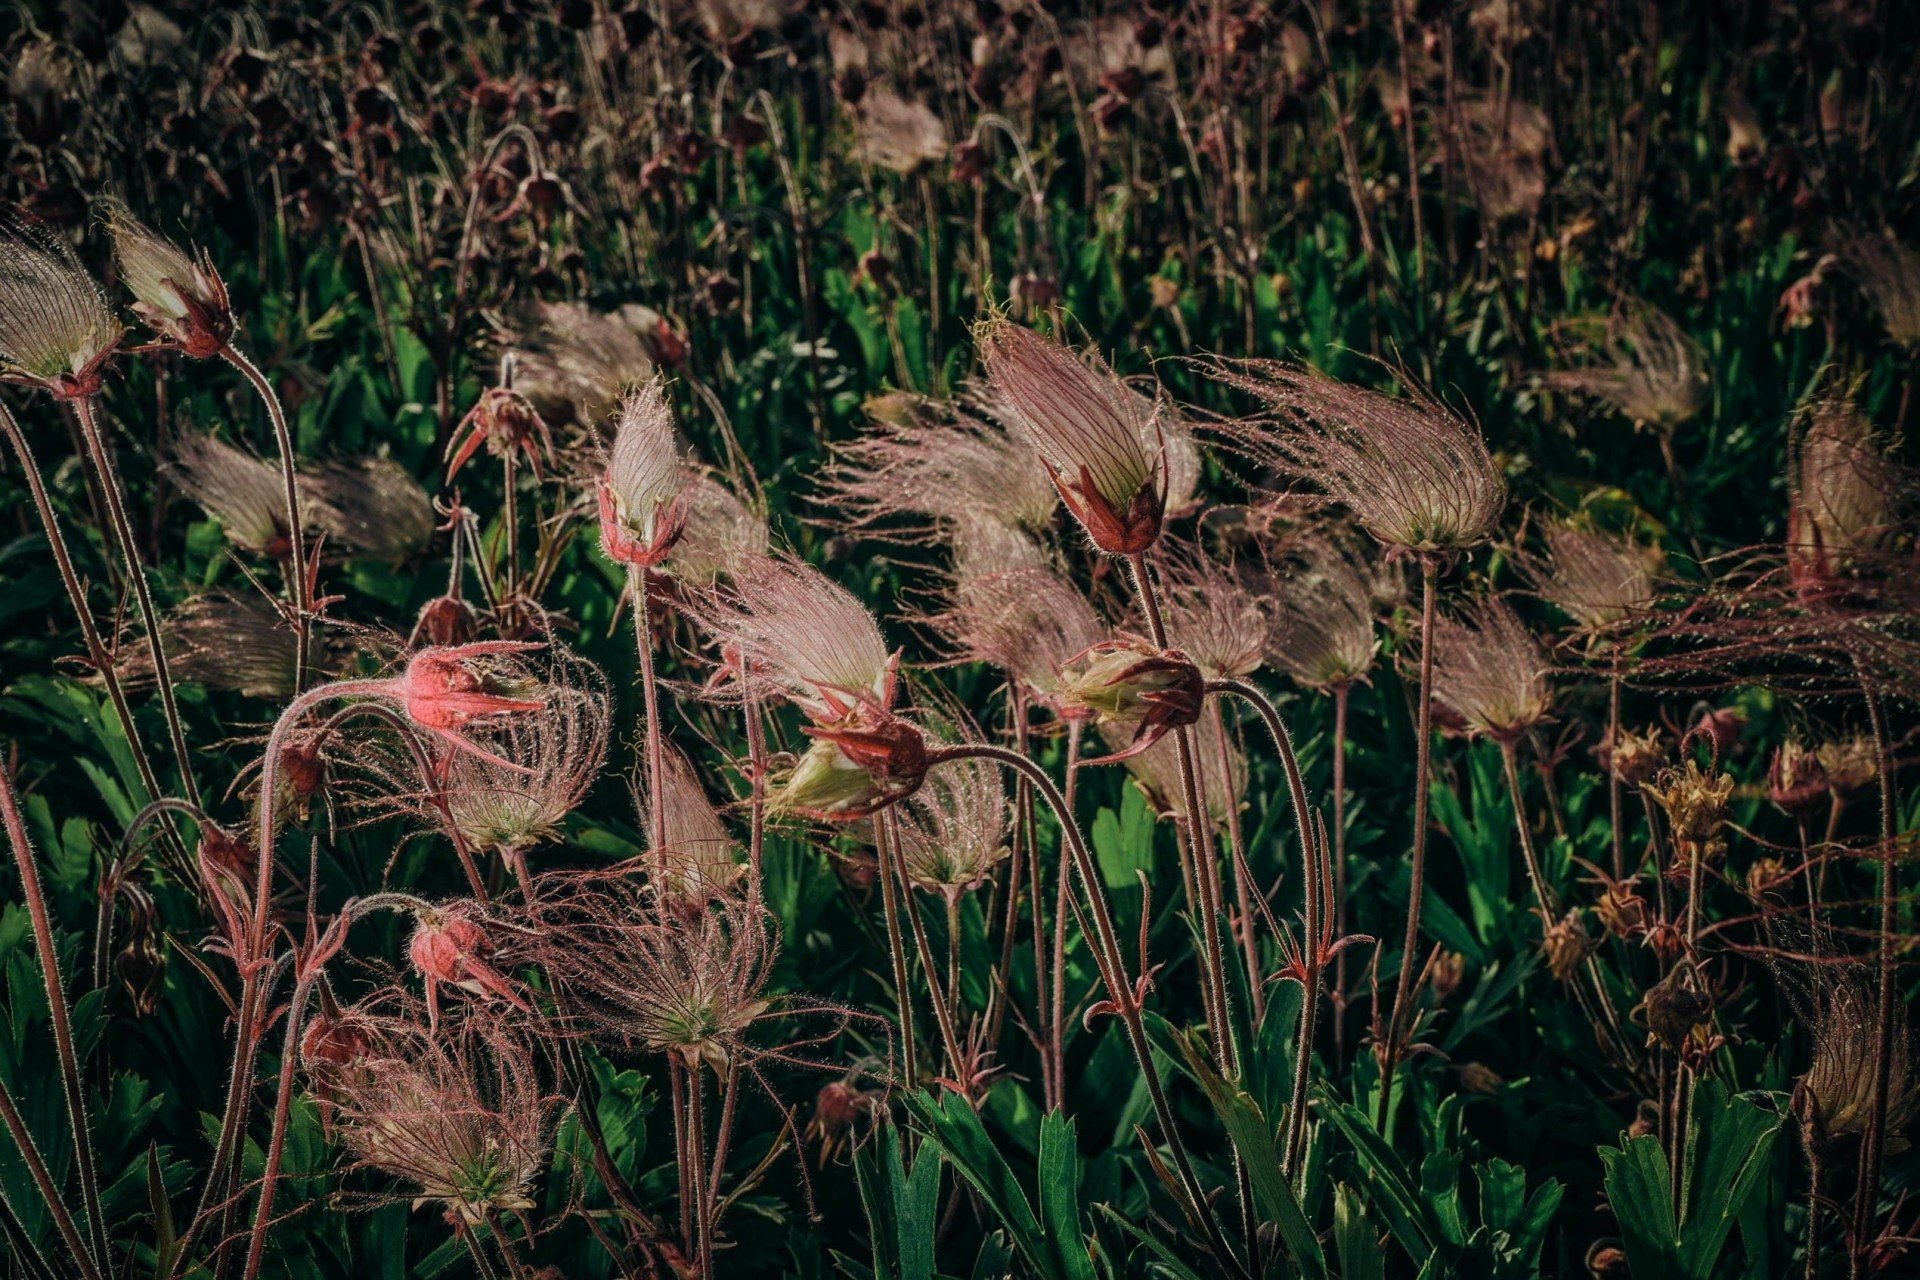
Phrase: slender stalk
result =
(296, 546)
(697, 1166)
(1613, 772)
(1339, 994)
(103, 467)
(59, 1016)
(1313, 892)
(1422, 778)
(1206, 871)
(1063, 896)
(757, 770)
(650, 696)
(683, 1158)
(1111, 961)
(1813, 1213)
(1243, 886)
(277, 1140)
(897, 950)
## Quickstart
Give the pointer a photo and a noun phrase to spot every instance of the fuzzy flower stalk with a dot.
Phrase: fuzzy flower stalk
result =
(183, 300)
(642, 502)
(1416, 476)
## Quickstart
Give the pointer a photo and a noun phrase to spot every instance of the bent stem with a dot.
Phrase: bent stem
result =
(43, 1180)
(1111, 962)
(1198, 837)
(109, 480)
(1873, 1143)
(1313, 892)
(296, 548)
(58, 1015)
(1422, 778)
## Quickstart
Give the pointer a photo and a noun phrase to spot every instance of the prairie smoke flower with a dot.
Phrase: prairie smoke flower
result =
(1796, 780)
(372, 506)
(451, 947)
(1847, 493)
(1674, 1009)
(450, 692)
(1834, 1099)
(1103, 455)
(720, 533)
(182, 299)
(896, 133)
(1696, 807)
(683, 980)
(1413, 473)
(809, 636)
(1211, 614)
(855, 767)
(1322, 633)
(1849, 763)
(700, 856)
(1888, 272)
(642, 491)
(1645, 367)
(459, 1114)
(1635, 759)
(1566, 946)
(571, 360)
(1490, 670)
(234, 486)
(1008, 608)
(538, 764)
(1220, 769)
(1129, 682)
(56, 330)
(1501, 146)
(224, 641)
(953, 831)
(1598, 580)
(506, 422)
(948, 465)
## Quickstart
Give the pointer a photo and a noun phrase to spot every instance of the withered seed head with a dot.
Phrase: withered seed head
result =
(182, 299)
(56, 330)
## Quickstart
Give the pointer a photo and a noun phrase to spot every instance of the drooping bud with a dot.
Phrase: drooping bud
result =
(642, 491)
(1129, 682)
(183, 300)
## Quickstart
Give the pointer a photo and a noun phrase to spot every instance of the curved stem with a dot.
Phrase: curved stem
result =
(890, 907)
(1313, 893)
(1111, 961)
(103, 467)
(1062, 904)
(1873, 1142)
(1341, 693)
(58, 1015)
(1422, 778)
(1199, 834)
(296, 545)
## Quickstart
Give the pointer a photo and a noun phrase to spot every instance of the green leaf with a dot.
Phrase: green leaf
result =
(1060, 1196)
(1354, 1238)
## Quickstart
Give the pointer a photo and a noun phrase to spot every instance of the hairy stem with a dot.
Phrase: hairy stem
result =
(1422, 778)
(296, 546)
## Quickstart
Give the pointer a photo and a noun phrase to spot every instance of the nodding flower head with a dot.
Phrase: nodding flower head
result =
(1128, 682)
(699, 856)
(241, 490)
(370, 505)
(642, 492)
(1834, 1100)
(181, 298)
(791, 625)
(1847, 493)
(897, 133)
(1212, 612)
(1645, 367)
(457, 1112)
(1595, 578)
(1695, 802)
(448, 691)
(506, 422)
(452, 947)
(940, 468)
(1490, 670)
(1796, 780)
(1322, 615)
(226, 641)
(1095, 435)
(953, 832)
(1888, 272)
(1413, 473)
(857, 766)
(687, 979)
(552, 754)
(56, 330)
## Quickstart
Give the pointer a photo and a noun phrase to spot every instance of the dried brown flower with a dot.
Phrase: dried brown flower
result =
(1645, 367)
(1488, 667)
(56, 330)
